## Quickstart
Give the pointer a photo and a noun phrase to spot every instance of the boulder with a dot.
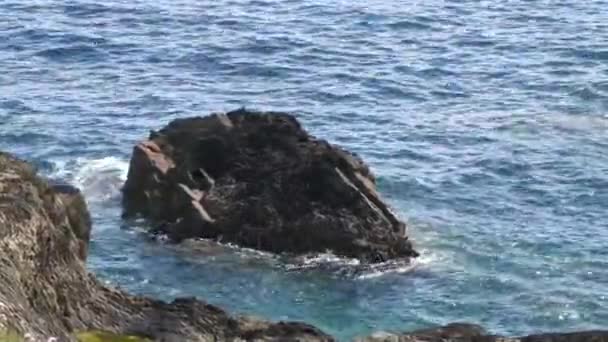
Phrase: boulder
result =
(259, 180)
(46, 291)
(463, 332)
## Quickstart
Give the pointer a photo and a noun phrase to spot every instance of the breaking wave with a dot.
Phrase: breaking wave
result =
(100, 180)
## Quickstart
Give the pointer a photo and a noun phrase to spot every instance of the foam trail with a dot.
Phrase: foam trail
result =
(398, 266)
(353, 268)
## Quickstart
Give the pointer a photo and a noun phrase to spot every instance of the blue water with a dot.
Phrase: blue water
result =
(485, 121)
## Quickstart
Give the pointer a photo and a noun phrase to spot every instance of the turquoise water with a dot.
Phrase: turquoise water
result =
(485, 122)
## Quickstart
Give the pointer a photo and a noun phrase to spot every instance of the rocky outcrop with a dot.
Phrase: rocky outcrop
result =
(260, 180)
(46, 291)
(462, 332)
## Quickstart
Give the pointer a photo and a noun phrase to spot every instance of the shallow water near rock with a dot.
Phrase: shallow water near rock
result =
(484, 121)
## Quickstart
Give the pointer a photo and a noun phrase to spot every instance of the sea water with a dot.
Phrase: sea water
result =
(484, 121)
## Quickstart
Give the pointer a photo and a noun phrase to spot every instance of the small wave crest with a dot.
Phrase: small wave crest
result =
(211, 247)
(328, 262)
(99, 180)
(76, 53)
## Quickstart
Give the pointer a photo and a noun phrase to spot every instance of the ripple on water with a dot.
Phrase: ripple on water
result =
(74, 53)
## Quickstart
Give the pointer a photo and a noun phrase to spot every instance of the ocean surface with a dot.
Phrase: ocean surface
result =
(485, 122)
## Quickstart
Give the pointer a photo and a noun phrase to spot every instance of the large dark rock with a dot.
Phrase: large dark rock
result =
(462, 332)
(46, 291)
(260, 180)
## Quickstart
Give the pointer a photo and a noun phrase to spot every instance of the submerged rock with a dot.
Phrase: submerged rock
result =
(463, 332)
(260, 180)
(45, 290)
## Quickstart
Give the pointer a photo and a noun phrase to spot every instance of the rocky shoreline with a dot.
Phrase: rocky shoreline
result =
(179, 182)
(46, 291)
(463, 332)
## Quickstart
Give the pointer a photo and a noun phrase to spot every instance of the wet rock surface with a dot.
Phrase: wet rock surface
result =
(46, 291)
(259, 180)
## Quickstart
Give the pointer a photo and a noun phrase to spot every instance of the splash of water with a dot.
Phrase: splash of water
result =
(99, 180)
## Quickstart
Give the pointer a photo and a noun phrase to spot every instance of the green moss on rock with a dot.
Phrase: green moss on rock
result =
(10, 336)
(102, 336)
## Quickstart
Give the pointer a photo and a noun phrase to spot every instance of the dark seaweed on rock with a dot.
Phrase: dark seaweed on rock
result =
(259, 180)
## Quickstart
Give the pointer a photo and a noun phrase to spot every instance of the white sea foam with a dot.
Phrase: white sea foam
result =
(354, 268)
(389, 267)
(98, 179)
(328, 257)
(327, 262)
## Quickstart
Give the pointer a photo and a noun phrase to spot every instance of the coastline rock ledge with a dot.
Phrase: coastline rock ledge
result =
(259, 180)
(45, 290)
(465, 332)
